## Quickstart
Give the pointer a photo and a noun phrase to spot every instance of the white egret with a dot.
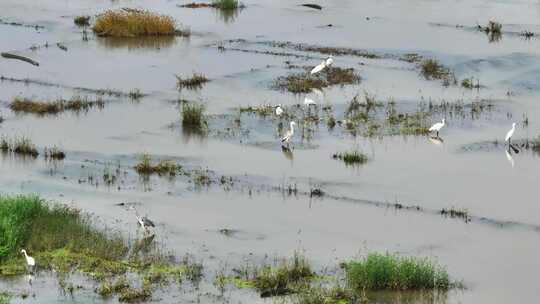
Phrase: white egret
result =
(143, 221)
(29, 260)
(437, 127)
(309, 102)
(329, 61)
(510, 133)
(288, 135)
(279, 110)
(318, 68)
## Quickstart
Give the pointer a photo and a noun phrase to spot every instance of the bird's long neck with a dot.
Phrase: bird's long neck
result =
(25, 255)
(292, 128)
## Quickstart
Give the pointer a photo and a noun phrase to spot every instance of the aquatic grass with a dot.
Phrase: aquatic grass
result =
(493, 29)
(285, 278)
(393, 272)
(226, 4)
(82, 20)
(134, 23)
(456, 213)
(76, 104)
(351, 157)
(193, 116)
(196, 81)
(21, 146)
(145, 166)
(305, 82)
(432, 69)
(54, 153)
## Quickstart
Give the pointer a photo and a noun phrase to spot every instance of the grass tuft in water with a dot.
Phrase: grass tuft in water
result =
(54, 153)
(134, 23)
(82, 20)
(22, 146)
(285, 278)
(432, 69)
(163, 167)
(196, 81)
(76, 104)
(392, 272)
(226, 4)
(351, 157)
(305, 82)
(193, 116)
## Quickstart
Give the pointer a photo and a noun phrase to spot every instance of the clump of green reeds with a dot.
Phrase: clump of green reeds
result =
(30, 222)
(284, 278)
(82, 20)
(76, 103)
(193, 116)
(196, 81)
(392, 272)
(54, 153)
(163, 167)
(351, 157)
(19, 145)
(432, 69)
(133, 23)
(305, 82)
(226, 4)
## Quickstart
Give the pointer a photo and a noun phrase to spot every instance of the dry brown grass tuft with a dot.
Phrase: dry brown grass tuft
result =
(76, 103)
(133, 23)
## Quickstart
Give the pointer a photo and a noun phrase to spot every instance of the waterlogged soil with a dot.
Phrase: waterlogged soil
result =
(235, 177)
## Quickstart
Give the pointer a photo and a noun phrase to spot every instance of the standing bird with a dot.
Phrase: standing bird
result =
(30, 262)
(437, 127)
(279, 110)
(318, 68)
(324, 64)
(309, 102)
(288, 135)
(329, 61)
(143, 221)
(510, 133)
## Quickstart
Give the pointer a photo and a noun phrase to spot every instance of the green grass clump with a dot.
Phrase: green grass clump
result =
(76, 104)
(352, 157)
(286, 278)
(22, 146)
(134, 23)
(82, 20)
(30, 222)
(432, 69)
(392, 272)
(196, 81)
(193, 116)
(54, 153)
(163, 167)
(226, 4)
(305, 82)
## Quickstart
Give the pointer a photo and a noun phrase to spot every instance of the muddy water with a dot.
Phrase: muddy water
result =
(495, 253)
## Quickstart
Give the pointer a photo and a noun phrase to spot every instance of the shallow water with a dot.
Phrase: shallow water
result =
(494, 253)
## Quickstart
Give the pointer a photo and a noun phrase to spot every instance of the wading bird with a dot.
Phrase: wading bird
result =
(279, 110)
(309, 102)
(288, 135)
(30, 262)
(437, 127)
(143, 221)
(510, 133)
(326, 63)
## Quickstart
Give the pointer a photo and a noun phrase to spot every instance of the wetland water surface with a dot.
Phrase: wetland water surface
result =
(242, 199)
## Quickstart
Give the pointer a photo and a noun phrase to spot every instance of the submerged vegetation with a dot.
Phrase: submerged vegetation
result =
(431, 69)
(76, 104)
(134, 23)
(54, 153)
(305, 82)
(163, 167)
(196, 81)
(219, 4)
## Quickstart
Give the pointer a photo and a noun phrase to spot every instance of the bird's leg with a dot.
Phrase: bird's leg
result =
(437, 134)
